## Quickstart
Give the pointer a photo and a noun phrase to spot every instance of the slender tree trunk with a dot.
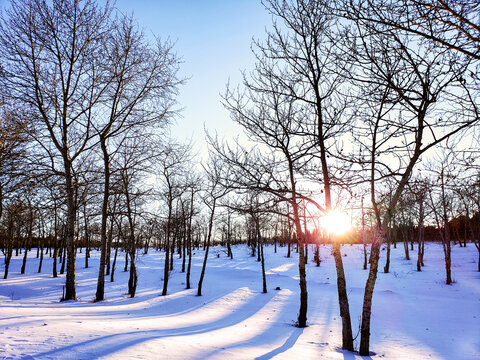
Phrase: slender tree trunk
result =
(64, 257)
(302, 313)
(24, 261)
(166, 268)
(347, 336)
(55, 244)
(184, 252)
(167, 247)
(100, 294)
(364, 242)
(70, 292)
(405, 246)
(189, 239)
(367, 298)
(264, 278)
(172, 251)
(133, 278)
(260, 251)
(9, 250)
(112, 274)
(421, 235)
(41, 257)
(8, 257)
(189, 266)
(109, 247)
(386, 268)
(87, 235)
(204, 266)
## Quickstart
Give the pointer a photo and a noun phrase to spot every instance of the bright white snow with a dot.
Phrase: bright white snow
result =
(415, 315)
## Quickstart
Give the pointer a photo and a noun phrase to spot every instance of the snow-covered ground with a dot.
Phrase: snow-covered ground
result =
(415, 315)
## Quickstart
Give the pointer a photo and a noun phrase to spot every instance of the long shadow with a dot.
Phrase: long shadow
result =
(109, 344)
(291, 340)
(276, 331)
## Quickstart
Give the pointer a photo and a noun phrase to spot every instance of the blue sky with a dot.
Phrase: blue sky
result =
(213, 37)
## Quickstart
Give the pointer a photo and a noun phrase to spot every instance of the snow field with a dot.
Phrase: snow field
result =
(414, 316)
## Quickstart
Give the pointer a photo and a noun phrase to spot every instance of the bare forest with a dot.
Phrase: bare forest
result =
(359, 127)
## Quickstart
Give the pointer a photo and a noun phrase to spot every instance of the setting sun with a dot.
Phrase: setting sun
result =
(336, 222)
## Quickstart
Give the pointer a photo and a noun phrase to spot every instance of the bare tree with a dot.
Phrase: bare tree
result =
(131, 168)
(214, 191)
(172, 163)
(450, 24)
(50, 55)
(417, 79)
(139, 91)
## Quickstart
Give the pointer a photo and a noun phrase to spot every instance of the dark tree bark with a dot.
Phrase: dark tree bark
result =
(207, 248)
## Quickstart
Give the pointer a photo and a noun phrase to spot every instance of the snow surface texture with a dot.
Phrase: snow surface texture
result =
(415, 315)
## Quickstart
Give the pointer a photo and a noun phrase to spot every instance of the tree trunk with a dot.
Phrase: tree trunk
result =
(70, 292)
(386, 268)
(347, 337)
(302, 313)
(125, 268)
(204, 266)
(184, 252)
(367, 298)
(132, 281)
(264, 278)
(189, 266)
(9, 250)
(55, 241)
(114, 263)
(41, 257)
(100, 294)
(24, 261)
(64, 257)
(8, 257)
(109, 247)
(260, 251)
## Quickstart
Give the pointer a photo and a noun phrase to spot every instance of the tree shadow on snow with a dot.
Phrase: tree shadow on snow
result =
(109, 344)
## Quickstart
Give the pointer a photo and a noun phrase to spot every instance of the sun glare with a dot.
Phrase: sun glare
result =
(336, 222)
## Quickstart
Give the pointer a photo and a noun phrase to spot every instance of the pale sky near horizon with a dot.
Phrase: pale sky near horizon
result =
(213, 38)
